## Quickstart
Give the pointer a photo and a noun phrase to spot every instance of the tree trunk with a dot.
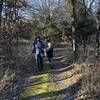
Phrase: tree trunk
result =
(97, 39)
(75, 40)
(1, 4)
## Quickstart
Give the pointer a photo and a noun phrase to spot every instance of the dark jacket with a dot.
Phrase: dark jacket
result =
(49, 52)
(38, 46)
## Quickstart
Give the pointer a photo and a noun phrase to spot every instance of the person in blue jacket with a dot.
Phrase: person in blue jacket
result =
(38, 50)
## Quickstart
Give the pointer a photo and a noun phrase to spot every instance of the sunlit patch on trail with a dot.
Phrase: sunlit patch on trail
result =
(39, 84)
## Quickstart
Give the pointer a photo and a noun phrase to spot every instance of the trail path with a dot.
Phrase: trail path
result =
(60, 83)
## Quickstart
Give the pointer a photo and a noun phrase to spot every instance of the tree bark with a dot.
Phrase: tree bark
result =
(75, 40)
(1, 4)
(97, 39)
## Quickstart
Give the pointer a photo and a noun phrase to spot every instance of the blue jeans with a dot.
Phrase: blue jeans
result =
(39, 62)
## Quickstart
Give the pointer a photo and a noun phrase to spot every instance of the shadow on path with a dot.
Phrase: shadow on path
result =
(39, 85)
(65, 94)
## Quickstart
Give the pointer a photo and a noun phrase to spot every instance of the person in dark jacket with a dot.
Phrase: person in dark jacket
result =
(38, 50)
(49, 51)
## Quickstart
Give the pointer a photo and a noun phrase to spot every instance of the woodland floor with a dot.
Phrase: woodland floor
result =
(59, 83)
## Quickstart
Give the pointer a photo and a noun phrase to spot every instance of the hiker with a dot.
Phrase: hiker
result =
(49, 51)
(38, 50)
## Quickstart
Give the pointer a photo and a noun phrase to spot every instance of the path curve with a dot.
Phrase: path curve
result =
(60, 83)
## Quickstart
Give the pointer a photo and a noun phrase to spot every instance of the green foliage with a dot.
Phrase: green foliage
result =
(86, 28)
(66, 28)
(54, 32)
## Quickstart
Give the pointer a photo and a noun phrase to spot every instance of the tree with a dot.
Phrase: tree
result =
(74, 31)
(98, 31)
(10, 15)
(1, 6)
(48, 16)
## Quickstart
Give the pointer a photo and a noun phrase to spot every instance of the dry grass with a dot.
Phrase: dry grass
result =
(90, 89)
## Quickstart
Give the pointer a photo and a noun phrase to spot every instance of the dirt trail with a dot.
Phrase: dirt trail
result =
(60, 83)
